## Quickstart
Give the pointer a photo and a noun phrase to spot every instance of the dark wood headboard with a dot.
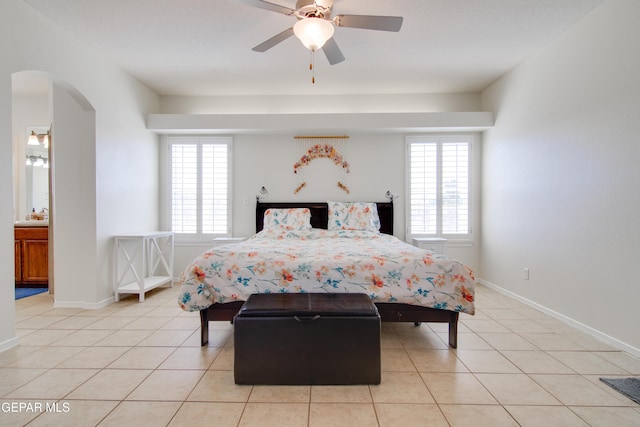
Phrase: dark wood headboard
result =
(320, 213)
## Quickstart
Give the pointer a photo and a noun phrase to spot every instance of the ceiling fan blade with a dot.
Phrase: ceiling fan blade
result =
(266, 45)
(267, 6)
(332, 52)
(370, 22)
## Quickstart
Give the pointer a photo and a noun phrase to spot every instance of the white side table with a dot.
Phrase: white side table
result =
(142, 261)
(433, 244)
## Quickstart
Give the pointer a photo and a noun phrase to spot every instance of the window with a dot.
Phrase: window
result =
(439, 186)
(199, 171)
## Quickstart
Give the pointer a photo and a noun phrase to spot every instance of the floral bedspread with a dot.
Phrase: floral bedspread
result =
(381, 266)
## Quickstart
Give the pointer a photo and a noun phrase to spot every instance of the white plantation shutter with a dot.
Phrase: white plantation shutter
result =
(215, 198)
(199, 185)
(438, 181)
(423, 188)
(455, 188)
(184, 188)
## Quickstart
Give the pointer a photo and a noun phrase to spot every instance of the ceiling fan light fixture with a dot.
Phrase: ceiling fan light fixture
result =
(313, 32)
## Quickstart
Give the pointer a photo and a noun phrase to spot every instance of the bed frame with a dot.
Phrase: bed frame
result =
(389, 312)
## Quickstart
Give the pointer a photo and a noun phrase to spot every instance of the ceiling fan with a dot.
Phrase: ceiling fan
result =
(315, 26)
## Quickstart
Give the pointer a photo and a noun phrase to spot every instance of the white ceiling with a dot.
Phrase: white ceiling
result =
(203, 47)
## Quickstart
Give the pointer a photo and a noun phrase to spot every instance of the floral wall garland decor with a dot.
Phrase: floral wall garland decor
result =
(322, 147)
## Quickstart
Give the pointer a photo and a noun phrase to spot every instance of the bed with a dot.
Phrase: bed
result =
(329, 247)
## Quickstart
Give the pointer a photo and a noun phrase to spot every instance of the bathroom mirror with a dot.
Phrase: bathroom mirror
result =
(37, 169)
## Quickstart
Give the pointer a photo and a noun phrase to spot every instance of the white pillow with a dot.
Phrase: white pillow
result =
(287, 219)
(353, 216)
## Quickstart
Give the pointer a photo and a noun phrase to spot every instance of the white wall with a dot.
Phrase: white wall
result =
(125, 155)
(561, 181)
(73, 174)
(377, 165)
(7, 307)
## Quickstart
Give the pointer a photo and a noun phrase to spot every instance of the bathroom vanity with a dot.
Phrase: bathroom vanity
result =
(31, 253)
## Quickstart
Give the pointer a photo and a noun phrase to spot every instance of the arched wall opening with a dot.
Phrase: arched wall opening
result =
(72, 178)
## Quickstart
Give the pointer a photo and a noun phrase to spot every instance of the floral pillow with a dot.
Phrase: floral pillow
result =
(353, 216)
(287, 219)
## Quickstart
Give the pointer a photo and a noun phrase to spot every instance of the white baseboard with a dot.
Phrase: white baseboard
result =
(578, 325)
(83, 304)
(96, 305)
(10, 343)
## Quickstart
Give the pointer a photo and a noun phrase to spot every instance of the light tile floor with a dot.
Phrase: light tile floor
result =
(135, 364)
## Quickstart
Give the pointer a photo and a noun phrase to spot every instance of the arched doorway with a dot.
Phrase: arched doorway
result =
(71, 156)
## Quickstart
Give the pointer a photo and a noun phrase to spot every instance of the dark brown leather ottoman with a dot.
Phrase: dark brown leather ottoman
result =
(310, 339)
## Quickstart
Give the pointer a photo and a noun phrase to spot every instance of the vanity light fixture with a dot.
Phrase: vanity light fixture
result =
(37, 138)
(263, 193)
(33, 139)
(37, 161)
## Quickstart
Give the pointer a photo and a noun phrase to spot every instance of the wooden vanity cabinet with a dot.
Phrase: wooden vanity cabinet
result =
(18, 260)
(32, 255)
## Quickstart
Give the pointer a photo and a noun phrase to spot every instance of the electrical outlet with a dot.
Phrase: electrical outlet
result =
(526, 274)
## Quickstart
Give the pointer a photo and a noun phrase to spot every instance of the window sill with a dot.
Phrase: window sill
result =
(451, 243)
(205, 243)
(459, 243)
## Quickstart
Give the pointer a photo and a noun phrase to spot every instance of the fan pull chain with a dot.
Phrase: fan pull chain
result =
(311, 67)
